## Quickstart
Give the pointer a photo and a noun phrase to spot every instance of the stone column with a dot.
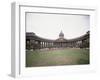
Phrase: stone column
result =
(46, 44)
(41, 44)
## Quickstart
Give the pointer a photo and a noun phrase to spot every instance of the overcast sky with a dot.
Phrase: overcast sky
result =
(50, 25)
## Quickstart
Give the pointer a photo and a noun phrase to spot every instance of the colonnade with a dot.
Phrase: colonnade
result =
(34, 42)
(46, 44)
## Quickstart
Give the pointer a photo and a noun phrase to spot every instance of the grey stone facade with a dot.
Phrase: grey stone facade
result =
(35, 42)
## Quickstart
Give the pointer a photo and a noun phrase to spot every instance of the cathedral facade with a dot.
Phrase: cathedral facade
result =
(36, 42)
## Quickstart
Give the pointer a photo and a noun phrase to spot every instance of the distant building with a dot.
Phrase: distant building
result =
(35, 42)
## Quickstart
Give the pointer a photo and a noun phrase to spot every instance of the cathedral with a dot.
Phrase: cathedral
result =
(34, 41)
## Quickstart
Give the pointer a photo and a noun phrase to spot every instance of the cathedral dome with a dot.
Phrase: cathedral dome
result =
(61, 35)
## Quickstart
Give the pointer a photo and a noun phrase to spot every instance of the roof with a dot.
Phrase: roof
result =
(31, 35)
(61, 40)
